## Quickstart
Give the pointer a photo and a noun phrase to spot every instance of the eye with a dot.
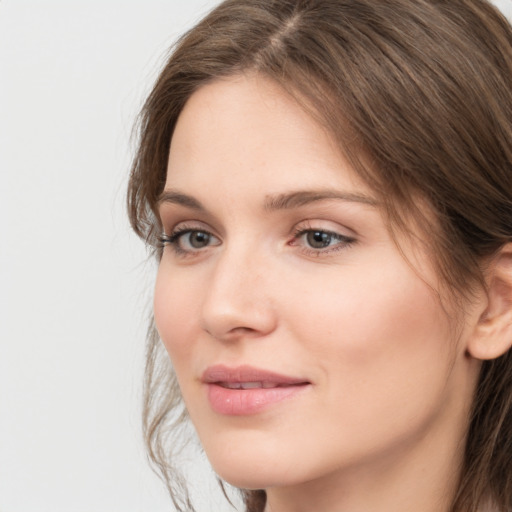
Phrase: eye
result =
(194, 239)
(321, 241)
(188, 240)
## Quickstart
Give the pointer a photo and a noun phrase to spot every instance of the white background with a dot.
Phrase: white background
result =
(74, 288)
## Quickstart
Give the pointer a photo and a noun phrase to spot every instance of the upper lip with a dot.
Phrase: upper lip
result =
(240, 374)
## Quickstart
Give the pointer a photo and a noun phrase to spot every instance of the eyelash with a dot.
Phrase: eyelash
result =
(173, 240)
(343, 241)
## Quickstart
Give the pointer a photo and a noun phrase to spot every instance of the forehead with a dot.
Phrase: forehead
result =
(249, 128)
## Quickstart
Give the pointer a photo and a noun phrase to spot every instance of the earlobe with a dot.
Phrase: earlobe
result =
(492, 336)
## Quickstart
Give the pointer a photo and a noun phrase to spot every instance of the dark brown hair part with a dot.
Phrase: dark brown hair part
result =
(418, 95)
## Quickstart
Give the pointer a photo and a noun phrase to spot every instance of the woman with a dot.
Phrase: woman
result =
(328, 188)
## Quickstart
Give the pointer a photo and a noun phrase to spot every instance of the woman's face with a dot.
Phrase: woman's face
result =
(305, 345)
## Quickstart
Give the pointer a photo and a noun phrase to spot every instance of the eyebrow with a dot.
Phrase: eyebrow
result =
(176, 197)
(272, 203)
(303, 197)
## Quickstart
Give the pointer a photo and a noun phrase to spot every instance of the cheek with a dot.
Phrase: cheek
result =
(176, 313)
(381, 340)
(367, 309)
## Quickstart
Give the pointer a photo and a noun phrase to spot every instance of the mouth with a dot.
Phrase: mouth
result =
(249, 376)
(252, 385)
(245, 390)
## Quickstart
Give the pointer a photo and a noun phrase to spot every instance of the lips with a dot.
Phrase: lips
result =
(251, 385)
(245, 390)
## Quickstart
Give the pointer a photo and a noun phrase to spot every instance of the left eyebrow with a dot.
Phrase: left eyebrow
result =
(303, 197)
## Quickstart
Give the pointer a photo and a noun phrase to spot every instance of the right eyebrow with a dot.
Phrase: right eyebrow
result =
(176, 197)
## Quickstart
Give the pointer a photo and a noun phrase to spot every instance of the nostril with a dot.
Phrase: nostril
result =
(233, 333)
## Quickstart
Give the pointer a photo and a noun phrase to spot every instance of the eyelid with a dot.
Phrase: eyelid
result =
(174, 225)
(344, 240)
(322, 224)
(333, 234)
(171, 215)
(180, 230)
(342, 236)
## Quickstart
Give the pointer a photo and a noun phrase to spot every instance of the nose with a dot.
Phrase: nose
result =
(238, 302)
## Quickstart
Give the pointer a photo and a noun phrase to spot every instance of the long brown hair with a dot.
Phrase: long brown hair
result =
(418, 94)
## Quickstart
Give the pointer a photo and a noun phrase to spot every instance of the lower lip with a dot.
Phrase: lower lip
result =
(240, 402)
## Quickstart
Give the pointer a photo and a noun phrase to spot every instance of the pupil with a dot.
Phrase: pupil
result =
(318, 239)
(199, 239)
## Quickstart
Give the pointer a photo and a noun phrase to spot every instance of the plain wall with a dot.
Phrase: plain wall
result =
(74, 289)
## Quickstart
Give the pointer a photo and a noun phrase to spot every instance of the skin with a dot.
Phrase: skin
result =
(382, 424)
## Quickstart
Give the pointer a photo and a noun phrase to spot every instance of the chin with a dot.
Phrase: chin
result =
(250, 478)
(251, 467)
(249, 482)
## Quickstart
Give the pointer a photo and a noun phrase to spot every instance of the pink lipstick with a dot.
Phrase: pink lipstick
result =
(246, 390)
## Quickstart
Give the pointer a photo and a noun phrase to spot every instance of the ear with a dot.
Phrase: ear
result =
(492, 336)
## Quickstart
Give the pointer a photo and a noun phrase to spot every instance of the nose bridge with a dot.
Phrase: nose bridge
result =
(237, 299)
